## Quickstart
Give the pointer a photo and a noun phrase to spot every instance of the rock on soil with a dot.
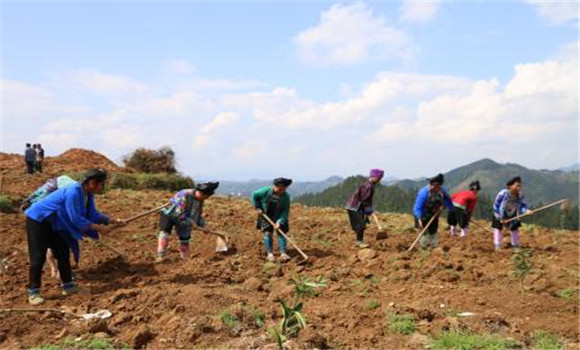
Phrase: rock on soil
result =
(253, 284)
(366, 254)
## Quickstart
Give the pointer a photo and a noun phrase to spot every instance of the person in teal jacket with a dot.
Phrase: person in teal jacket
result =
(274, 202)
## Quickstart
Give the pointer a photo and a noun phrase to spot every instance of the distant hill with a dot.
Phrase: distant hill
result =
(540, 186)
(245, 188)
(570, 168)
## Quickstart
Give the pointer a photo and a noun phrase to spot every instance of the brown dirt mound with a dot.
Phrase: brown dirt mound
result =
(180, 304)
(78, 159)
(17, 183)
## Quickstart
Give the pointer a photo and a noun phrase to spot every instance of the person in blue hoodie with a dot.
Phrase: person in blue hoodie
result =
(430, 200)
(58, 222)
(509, 203)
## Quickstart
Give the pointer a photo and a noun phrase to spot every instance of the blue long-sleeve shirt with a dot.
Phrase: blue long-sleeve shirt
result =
(502, 201)
(69, 214)
(420, 207)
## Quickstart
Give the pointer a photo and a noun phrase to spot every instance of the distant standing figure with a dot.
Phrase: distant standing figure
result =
(29, 158)
(360, 206)
(509, 203)
(39, 158)
(273, 201)
(463, 207)
(431, 199)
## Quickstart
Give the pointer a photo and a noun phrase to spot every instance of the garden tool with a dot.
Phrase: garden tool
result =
(563, 205)
(382, 234)
(424, 229)
(279, 231)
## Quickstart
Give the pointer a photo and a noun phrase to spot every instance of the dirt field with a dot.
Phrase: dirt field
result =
(179, 304)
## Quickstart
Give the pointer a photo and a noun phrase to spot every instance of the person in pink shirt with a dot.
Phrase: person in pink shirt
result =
(463, 206)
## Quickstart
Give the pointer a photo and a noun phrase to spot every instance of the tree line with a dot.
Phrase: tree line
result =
(397, 200)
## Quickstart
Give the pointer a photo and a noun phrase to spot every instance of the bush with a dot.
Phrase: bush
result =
(170, 182)
(123, 181)
(6, 205)
(152, 161)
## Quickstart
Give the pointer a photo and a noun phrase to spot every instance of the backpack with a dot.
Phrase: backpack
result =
(47, 188)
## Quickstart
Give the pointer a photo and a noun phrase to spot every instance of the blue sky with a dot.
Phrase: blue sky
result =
(252, 90)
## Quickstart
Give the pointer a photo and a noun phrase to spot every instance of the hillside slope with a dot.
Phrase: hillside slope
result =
(540, 186)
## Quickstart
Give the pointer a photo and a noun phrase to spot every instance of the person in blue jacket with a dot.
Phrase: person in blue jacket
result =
(58, 222)
(509, 203)
(430, 200)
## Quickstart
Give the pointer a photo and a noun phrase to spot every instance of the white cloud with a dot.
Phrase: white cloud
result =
(179, 66)
(556, 12)
(218, 123)
(414, 11)
(106, 84)
(393, 120)
(350, 34)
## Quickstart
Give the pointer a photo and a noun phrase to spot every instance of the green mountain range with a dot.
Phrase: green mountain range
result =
(540, 186)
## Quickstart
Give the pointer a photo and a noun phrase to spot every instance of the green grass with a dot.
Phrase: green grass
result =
(567, 293)
(547, 341)
(372, 305)
(88, 343)
(6, 205)
(402, 324)
(460, 340)
(228, 319)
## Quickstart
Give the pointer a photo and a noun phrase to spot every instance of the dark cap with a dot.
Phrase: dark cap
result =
(438, 179)
(474, 186)
(97, 174)
(281, 181)
(513, 180)
(207, 188)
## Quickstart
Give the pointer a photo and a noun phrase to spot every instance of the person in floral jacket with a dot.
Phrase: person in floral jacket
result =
(185, 209)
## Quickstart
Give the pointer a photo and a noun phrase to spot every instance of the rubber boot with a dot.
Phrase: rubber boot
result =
(162, 243)
(453, 231)
(515, 237)
(463, 232)
(497, 238)
(184, 251)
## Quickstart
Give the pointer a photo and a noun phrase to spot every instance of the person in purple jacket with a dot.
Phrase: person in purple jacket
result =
(360, 206)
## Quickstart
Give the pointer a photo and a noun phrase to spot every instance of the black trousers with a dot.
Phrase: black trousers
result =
(358, 222)
(38, 166)
(30, 167)
(41, 237)
(425, 220)
(458, 216)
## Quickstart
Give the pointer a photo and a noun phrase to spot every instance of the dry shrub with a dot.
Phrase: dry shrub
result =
(152, 161)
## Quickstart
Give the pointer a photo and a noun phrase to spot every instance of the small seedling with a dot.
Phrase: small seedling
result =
(228, 319)
(547, 341)
(452, 340)
(403, 324)
(566, 293)
(372, 305)
(304, 287)
(522, 266)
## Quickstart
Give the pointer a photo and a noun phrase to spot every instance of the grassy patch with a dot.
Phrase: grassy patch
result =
(402, 324)
(459, 340)
(372, 305)
(229, 319)
(567, 293)
(547, 341)
(6, 205)
(85, 343)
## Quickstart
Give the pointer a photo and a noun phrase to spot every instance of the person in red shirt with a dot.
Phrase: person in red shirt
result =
(463, 206)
